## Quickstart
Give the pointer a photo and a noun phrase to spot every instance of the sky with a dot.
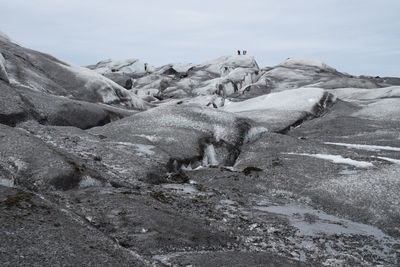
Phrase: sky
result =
(353, 36)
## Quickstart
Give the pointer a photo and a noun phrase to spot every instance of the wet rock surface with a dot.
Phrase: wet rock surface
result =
(230, 165)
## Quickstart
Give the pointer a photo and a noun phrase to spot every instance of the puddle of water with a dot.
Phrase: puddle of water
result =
(312, 222)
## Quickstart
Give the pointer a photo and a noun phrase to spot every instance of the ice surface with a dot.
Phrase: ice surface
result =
(105, 87)
(182, 131)
(3, 72)
(303, 99)
(376, 104)
(292, 62)
(210, 157)
(384, 109)
(182, 67)
(230, 62)
(297, 73)
(366, 94)
(121, 66)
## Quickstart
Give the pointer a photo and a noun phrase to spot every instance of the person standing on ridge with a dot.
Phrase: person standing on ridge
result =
(239, 52)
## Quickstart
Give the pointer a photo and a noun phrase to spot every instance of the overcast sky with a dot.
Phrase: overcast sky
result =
(354, 36)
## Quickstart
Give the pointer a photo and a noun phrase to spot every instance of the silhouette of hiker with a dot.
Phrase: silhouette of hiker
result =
(145, 67)
(239, 52)
(244, 52)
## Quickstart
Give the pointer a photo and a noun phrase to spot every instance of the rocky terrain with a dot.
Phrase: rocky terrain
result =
(223, 163)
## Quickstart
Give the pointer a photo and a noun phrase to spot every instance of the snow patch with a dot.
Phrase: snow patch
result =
(141, 148)
(365, 147)
(337, 159)
(88, 181)
(395, 161)
(6, 182)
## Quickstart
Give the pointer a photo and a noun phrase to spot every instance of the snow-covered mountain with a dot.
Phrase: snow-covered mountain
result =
(222, 163)
(239, 77)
